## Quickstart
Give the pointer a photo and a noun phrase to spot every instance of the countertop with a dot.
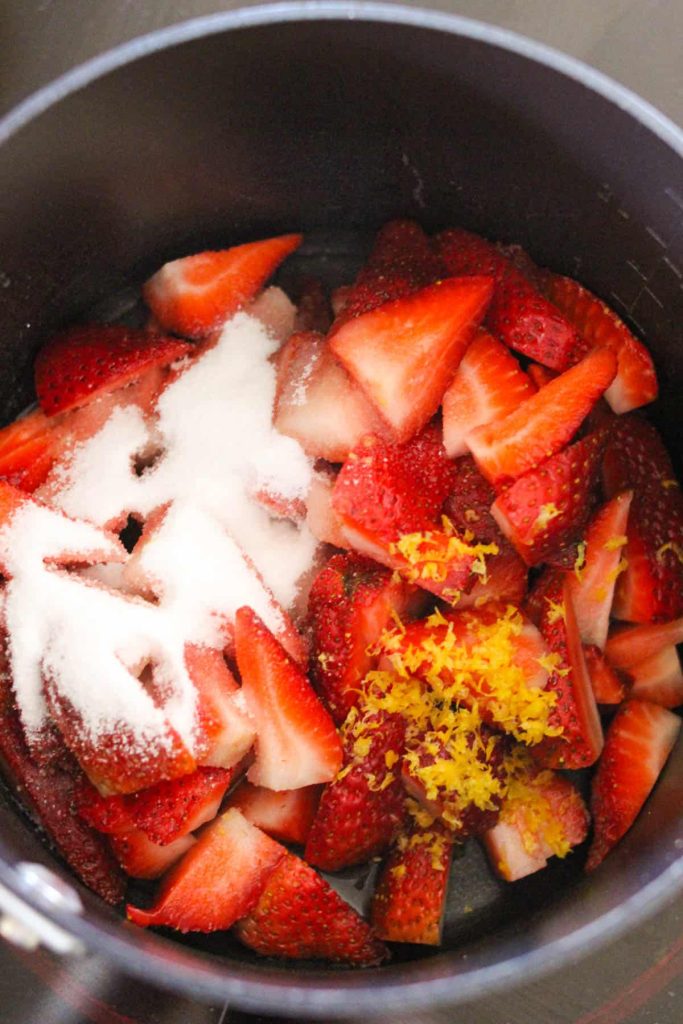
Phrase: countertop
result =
(639, 979)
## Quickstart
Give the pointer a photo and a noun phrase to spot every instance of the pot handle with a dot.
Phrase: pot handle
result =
(27, 928)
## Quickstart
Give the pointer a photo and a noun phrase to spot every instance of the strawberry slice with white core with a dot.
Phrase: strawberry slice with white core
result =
(608, 687)
(403, 354)
(592, 583)
(323, 522)
(141, 858)
(194, 295)
(297, 744)
(628, 645)
(317, 403)
(226, 731)
(543, 424)
(658, 678)
(488, 384)
(638, 743)
(286, 816)
(635, 383)
(275, 311)
(217, 882)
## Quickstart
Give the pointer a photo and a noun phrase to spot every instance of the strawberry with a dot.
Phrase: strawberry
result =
(540, 375)
(506, 579)
(194, 295)
(631, 644)
(547, 508)
(350, 604)
(28, 448)
(81, 363)
(658, 679)
(141, 858)
(542, 816)
(322, 520)
(651, 588)
(401, 262)
(275, 311)
(410, 896)
(218, 880)
(404, 353)
(637, 745)
(299, 916)
(519, 315)
(543, 424)
(313, 310)
(226, 732)
(297, 743)
(362, 810)
(600, 561)
(49, 788)
(286, 816)
(635, 383)
(607, 685)
(317, 403)
(488, 384)
(575, 714)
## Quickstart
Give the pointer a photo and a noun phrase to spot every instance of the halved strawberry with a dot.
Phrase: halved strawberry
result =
(363, 809)
(141, 858)
(540, 375)
(297, 743)
(637, 745)
(488, 384)
(217, 882)
(317, 403)
(81, 363)
(351, 602)
(410, 896)
(547, 508)
(651, 588)
(543, 424)
(519, 315)
(299, 916)
(575, 714)
(631, 644)
(542, 816)
(404, 353)
(635, 383)
(286, 816)
(401, 261)
(194, 295)
(658, 679)
(322, 520)
(28, 448)
(226, 733)
(608, 687)
(592, 583)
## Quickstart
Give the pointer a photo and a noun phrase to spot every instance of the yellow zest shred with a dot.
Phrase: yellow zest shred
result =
(547, 513)
(429, 553)
(527, 806)
(556, 610)
(580, 561)
(670, 546)
(616, 542)
(666, 484)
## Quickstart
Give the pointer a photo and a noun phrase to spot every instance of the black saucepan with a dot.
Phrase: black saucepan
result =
(332, 119)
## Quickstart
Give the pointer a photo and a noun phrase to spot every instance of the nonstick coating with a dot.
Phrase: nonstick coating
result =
(267, 121)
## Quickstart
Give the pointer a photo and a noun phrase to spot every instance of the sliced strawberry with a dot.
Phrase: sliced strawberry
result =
(350, 604)
(141, 858)
(638, 743)
(575, 714)
(313, 310)
(363, 809)
(543, 424)
(217, 882)
(519, 315)
(410, 897)
(227, 733)
(651, 588)
(547, 508)
(299, 916)
(608, 687)
(317, 403)
(506, 579)
(488, 384)
(402, 261)
(275, 311)
(404, 353)
(540, 375)
(28, 448)
(592, 583)
(286, 816)
(636, 381)
(297, 744)
(50, 788)
(542, 816)
(632, 644)
(322, 520)
(83, 362)
(193, 296)
(658, 679)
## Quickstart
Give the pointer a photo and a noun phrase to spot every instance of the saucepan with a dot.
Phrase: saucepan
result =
(331, 119)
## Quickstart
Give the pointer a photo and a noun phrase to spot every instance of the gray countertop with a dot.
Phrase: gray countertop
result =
(637, 980)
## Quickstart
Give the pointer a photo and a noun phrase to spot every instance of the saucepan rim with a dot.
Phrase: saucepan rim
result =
(342, 994)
